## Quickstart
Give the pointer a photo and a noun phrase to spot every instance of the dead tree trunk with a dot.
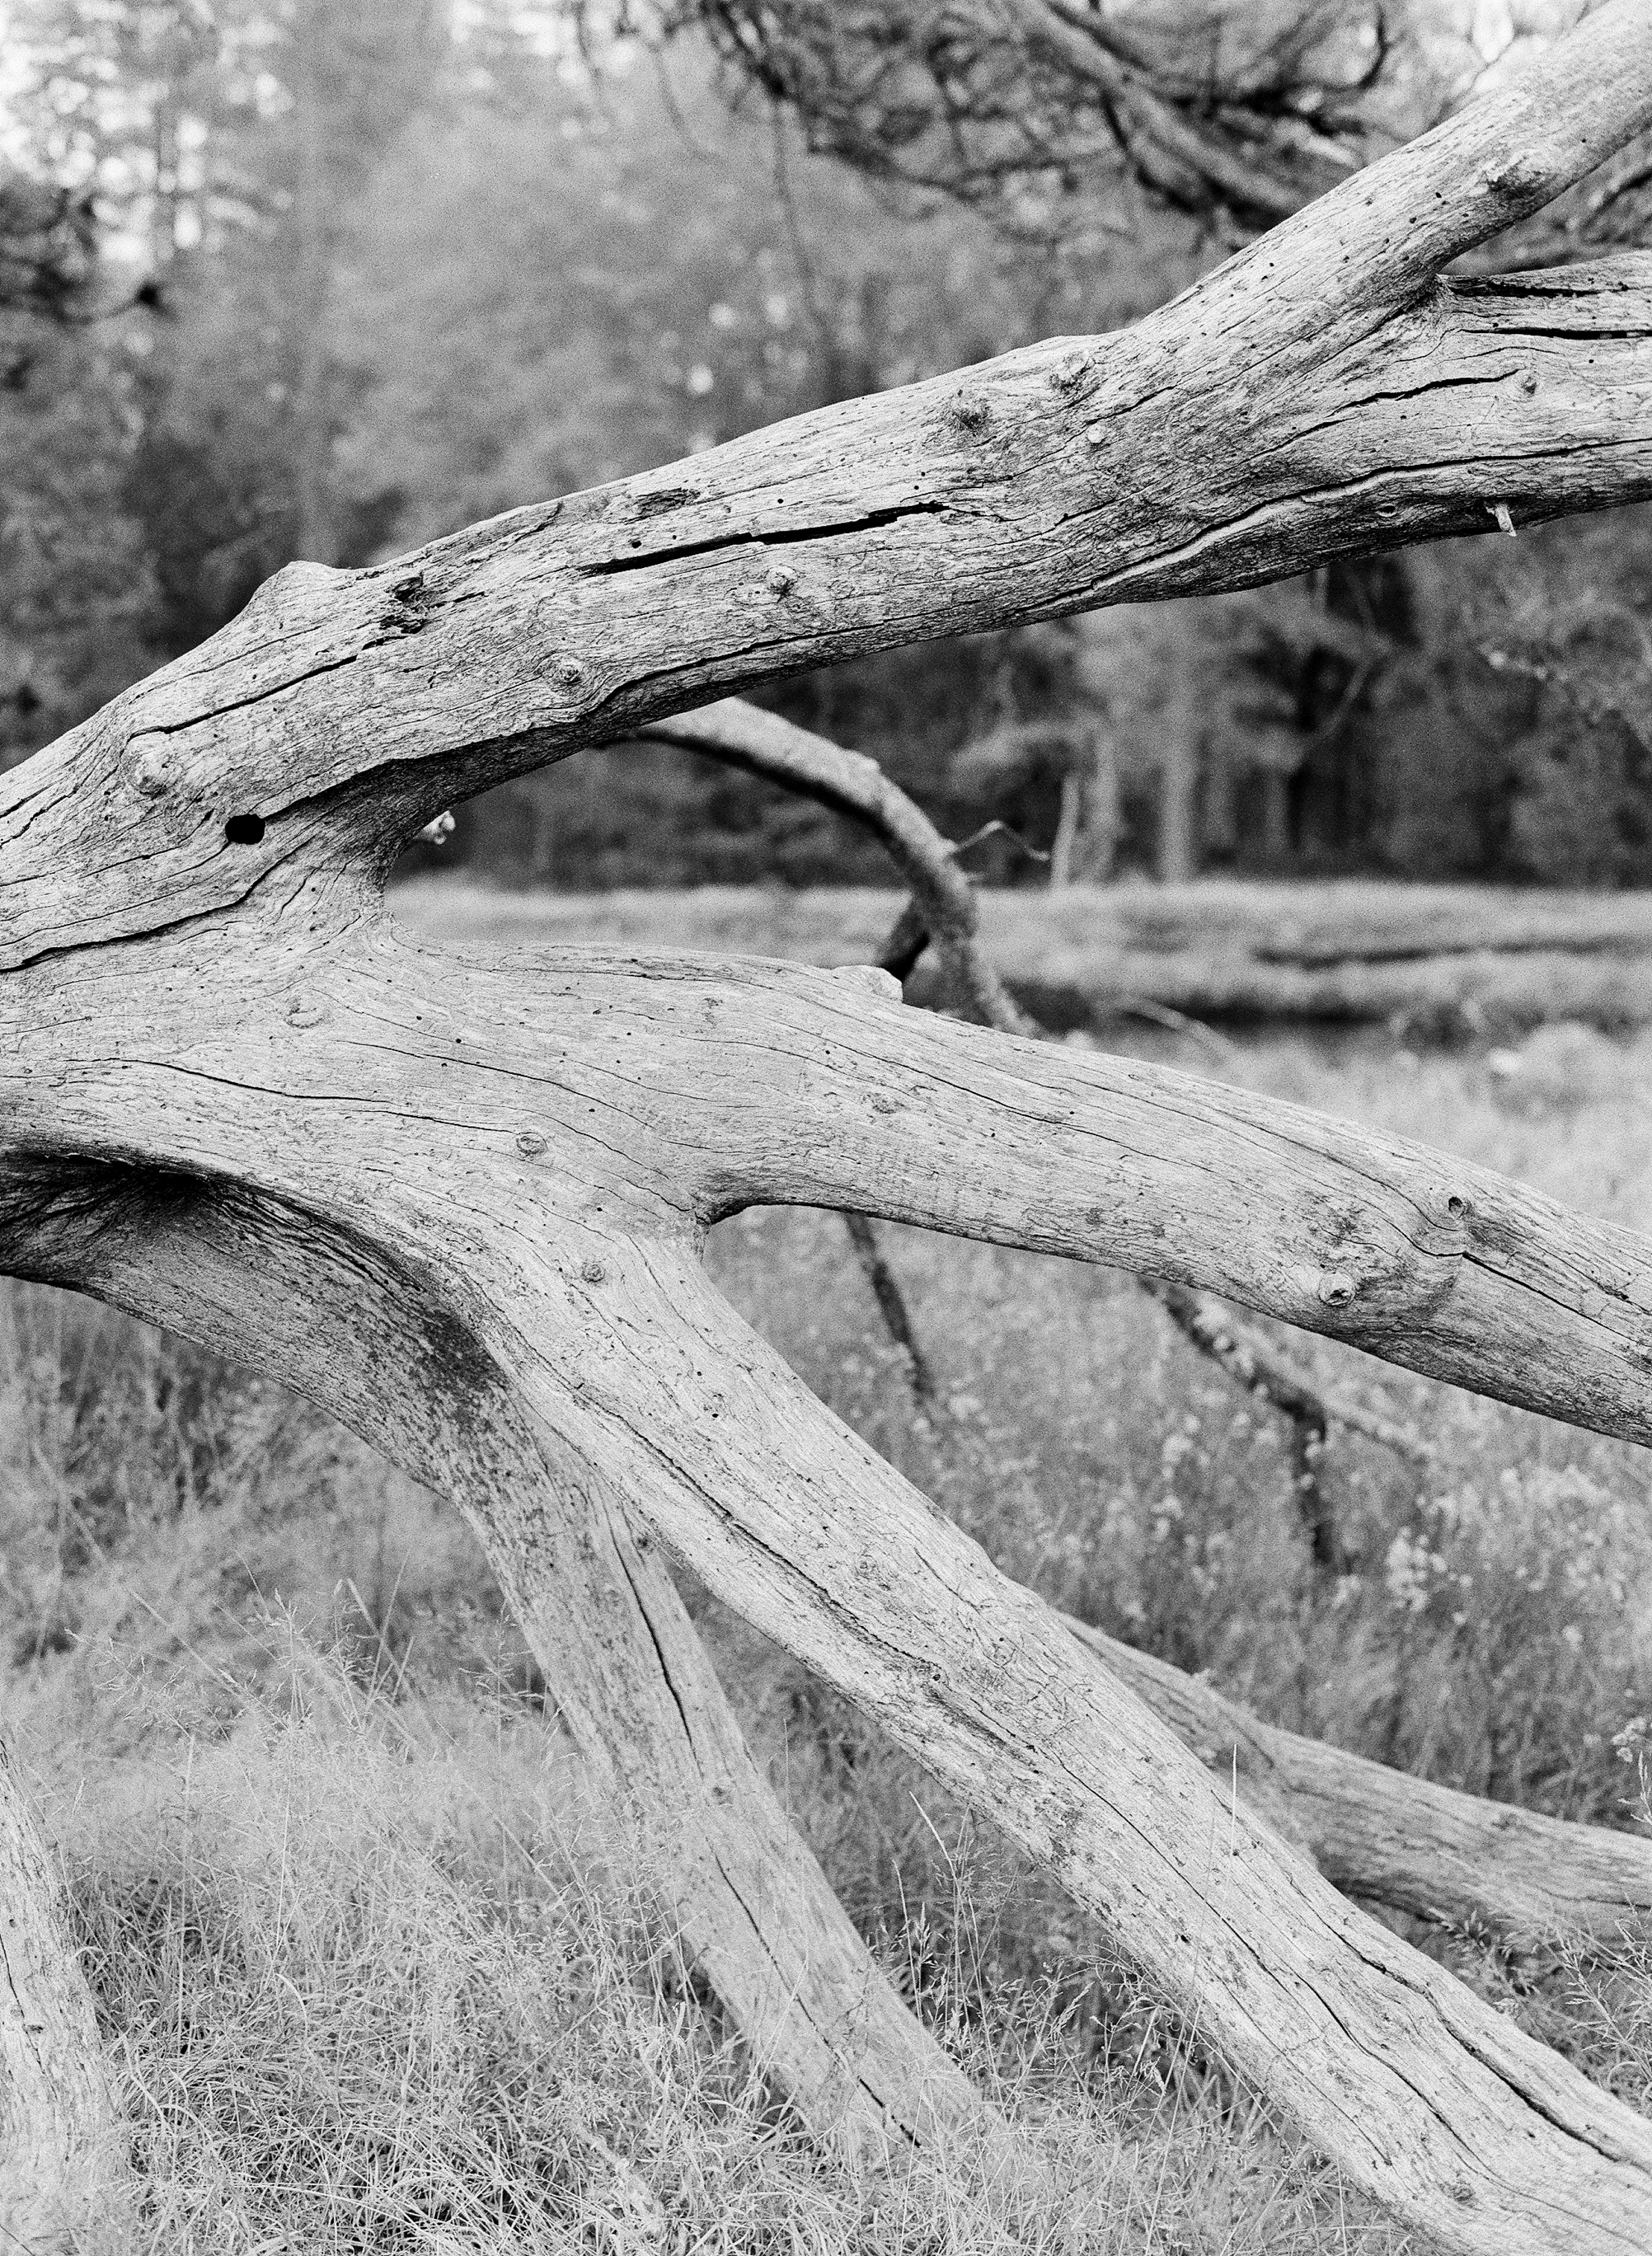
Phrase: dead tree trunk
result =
(202, 1001)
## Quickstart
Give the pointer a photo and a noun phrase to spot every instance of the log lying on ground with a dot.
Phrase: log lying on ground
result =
(1341, 954)
(57, 2110)
(766, 1083)
(1377, 1833)
(1222, 950)
(200, 986)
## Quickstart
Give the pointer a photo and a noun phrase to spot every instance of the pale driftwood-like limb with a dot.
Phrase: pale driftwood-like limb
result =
(943, 909)
(1539, 1884)
(201, 987)
(1479, 2135)
(658, 1758)
(57, 2109)
(886, 1290)
(773, 1084)
(1326, 390)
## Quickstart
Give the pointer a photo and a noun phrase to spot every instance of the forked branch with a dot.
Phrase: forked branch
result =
(201, 989)
(942, 912)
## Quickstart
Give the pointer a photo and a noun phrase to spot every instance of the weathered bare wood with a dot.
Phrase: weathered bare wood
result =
(203, 987)
(850, 784)
(942, 908)
(57, 2110)
(775, 1084)
(1221, 947)
(1387, 1837)
(779, 1509)
(657, 1758)
(1324, 390)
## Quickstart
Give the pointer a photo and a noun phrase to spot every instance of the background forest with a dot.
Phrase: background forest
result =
(326, 281)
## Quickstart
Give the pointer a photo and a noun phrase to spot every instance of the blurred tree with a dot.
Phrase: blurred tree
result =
(1236, 110)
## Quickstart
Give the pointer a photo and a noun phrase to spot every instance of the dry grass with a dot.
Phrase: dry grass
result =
(371, 1981)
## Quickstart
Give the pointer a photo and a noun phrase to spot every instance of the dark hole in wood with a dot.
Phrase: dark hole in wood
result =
(245, 829)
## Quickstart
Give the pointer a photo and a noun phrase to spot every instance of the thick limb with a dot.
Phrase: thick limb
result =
(1325, 391)
(197, 984)
(654, 1746)
(1386, 1837)
(1471, 2131)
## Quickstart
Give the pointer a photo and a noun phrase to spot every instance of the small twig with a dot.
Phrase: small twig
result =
(1161, 1014)
(891, 1303)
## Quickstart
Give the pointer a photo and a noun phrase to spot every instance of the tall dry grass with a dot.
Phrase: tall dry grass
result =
(371, 1981)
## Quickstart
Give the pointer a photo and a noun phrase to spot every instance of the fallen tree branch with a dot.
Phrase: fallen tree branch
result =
(201, 986)
(1324, 392)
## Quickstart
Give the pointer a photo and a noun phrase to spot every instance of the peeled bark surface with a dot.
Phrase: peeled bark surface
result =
(56, 2113)
(202, 998)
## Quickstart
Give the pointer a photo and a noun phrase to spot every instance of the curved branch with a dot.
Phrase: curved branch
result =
(1407, 1253)
(1324, 391)
(943, 909)
(851, 783)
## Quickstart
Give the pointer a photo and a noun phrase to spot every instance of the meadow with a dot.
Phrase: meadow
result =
(371, 1979)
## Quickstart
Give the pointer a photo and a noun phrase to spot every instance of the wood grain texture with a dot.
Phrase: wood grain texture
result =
(1325, 391)
(201, 996)
(544, 1156)
(57, 2111)
(1386, 1837)
(654, 1756)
